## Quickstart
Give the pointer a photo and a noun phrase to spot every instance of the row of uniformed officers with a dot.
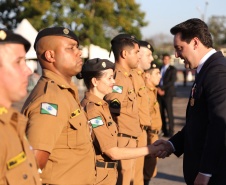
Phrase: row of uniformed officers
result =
(103, 140)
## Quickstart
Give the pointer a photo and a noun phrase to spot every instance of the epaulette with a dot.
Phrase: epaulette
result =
(90, 106)
(50, 85)
(120, 74)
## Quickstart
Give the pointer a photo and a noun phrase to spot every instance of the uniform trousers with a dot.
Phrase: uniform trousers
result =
(106, 176)
(138, 177)
(150, 163)
(126, 168)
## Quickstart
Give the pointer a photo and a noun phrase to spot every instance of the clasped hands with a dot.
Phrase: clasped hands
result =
(161, 149)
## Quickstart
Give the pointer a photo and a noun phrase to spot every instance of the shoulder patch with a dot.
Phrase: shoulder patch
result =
(49, 108)
(96, 122)
(115, 104)
(117, 89)
(16, 160)
(75, 113)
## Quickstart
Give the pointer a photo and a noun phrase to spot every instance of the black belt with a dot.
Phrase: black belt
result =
(154, 131)
(125, 135)
(106, 164)
(145, 127)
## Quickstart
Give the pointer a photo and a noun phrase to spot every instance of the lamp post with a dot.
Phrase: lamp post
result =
(203, 15)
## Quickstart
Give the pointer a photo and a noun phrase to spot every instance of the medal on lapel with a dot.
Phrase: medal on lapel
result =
(192, 100)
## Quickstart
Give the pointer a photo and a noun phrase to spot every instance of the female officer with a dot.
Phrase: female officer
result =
(98, 78)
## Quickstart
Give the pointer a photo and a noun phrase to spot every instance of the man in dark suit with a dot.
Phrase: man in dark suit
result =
(202, 139)
(166, 92)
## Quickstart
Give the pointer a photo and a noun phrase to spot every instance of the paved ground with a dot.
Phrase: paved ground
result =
(170, 170)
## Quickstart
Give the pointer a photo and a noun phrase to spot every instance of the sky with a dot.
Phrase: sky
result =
(162, 15)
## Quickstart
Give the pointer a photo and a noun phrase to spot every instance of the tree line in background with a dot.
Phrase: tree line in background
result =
(95, 21)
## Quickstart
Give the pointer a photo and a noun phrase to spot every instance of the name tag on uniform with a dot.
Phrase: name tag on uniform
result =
(12, 163)
(75, 113)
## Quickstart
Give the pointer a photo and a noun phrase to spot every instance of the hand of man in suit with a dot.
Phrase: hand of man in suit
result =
(201, 179)
(168, 149)
(160, 91)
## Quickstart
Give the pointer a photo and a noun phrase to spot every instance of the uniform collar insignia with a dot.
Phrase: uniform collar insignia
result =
(3, 110)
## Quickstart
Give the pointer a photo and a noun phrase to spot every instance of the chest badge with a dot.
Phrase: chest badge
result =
(75, 113)
(192, 100)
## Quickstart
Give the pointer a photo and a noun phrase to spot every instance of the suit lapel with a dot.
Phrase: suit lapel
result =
(207, 63)
(167, 70)
(201, 75)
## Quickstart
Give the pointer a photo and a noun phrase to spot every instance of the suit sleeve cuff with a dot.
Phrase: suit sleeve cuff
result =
(172, 146)
(208, 175)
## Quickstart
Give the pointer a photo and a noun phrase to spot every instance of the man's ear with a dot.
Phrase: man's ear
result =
(196, 42)
(124, 54)
(50, 56)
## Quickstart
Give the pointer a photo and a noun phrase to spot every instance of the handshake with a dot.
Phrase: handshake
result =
(161, 149)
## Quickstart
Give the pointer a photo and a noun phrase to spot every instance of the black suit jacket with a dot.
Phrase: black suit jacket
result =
(202, 140)
(169, 79)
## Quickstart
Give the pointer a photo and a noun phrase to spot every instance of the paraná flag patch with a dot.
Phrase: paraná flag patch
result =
(96, 122)
(49, 108)
(117, 89)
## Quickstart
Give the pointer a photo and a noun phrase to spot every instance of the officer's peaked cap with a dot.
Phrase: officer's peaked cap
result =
(56, 31)
(97, 64)
(8, 37)
(146, 44)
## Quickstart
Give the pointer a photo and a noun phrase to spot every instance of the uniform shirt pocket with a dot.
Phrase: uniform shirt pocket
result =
(130, 103)
(20, 175)
(77, 132)
(142, 98)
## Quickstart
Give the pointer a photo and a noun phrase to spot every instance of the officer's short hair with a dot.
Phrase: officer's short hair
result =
(120, 42)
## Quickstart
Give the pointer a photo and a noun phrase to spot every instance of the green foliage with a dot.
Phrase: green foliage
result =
(13, 12)
(217, 27)
(94, 21)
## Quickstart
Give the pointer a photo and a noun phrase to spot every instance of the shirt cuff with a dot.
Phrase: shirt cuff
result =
(208, 175)
(172, 146)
